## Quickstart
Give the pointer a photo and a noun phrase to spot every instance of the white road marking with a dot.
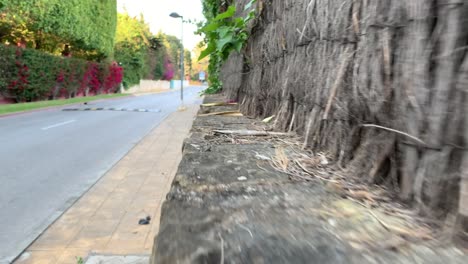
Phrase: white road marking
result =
(59, 124)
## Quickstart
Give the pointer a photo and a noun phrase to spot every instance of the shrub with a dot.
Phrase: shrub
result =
(29, 75)
(88, 26)
(113, 79)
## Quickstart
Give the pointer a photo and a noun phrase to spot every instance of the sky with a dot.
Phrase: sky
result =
(156, 14)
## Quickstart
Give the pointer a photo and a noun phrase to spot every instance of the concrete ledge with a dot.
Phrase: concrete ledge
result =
(227, 204)
(118, 260)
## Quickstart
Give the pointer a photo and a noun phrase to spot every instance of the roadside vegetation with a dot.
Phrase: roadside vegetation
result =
(224, 33)
(50, 49)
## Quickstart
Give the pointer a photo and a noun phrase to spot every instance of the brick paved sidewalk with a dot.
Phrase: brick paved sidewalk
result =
(105, 220)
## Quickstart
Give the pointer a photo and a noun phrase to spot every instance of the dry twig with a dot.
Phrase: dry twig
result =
(224, 113)
(396, 131)
(312, 174)
(222, 249)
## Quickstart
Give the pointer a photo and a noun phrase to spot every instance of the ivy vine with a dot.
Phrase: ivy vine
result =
(224, 33)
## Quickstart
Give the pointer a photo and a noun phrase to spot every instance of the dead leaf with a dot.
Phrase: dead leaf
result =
(268, 119)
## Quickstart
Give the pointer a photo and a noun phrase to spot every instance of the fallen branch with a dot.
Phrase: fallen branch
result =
(250, 133)
(224, 113)
(217, 104)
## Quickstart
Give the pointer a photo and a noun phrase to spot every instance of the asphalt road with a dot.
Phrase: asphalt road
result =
(48, 159)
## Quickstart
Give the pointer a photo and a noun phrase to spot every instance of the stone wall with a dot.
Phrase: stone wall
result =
(147, 86)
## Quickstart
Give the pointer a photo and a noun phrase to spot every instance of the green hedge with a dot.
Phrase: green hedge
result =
(87, 25)
(28, 75)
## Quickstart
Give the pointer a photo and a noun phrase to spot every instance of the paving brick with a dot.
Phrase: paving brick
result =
(71, 256)
(96, 234)
(39, 257)
(57, 237)
(105, 219)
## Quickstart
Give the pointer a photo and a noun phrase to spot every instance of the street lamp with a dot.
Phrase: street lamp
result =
(121, 83)
(175, 15)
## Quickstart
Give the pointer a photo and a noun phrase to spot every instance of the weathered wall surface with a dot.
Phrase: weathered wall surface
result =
(329, 68)
(150, 86)
(147, 86)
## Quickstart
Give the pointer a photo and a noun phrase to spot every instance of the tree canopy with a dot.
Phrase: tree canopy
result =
(144, 55)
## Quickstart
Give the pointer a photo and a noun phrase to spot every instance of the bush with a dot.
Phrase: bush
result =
(133, 61)
(29, 75)
(88, 26)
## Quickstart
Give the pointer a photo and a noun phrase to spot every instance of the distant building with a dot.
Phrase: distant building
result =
(202, 76)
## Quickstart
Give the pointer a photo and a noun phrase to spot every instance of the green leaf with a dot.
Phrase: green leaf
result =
(239, 22)
(230, 12)
(223, 31)
(223, 42)
(210, 49)
(230, 35)
(210, 27)
(238, 46)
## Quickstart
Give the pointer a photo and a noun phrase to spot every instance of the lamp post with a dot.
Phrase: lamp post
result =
(175, 15)
(121, 83)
